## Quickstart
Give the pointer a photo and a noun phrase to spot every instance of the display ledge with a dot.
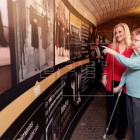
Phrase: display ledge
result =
(23, 101)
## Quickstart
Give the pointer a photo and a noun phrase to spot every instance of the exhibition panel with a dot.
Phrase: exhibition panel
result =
(45, 70)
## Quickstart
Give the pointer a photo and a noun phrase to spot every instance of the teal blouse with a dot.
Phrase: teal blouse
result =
(131, 77)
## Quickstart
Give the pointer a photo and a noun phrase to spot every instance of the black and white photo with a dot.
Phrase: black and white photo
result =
(62, 35)
(75, 37)
(34, 21)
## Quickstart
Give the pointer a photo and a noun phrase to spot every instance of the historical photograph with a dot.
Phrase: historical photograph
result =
(62, 35)
(76, 87)
(34, 21)
(75, 37)
(53, 127)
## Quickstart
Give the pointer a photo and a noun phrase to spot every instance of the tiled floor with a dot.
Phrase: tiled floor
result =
(93, 122)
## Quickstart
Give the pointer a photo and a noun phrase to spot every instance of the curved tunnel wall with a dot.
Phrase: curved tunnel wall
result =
(50, 74)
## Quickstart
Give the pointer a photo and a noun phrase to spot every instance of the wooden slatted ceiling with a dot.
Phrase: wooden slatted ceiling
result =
(105, 10)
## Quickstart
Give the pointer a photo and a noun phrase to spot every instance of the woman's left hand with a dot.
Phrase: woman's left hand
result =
(117, 89)
(108, 50)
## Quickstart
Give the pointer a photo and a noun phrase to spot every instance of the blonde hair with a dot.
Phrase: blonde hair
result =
(127, 35)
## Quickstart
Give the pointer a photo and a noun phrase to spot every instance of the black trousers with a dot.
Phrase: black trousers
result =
(119, 121)
(98, 75)
(133, 114)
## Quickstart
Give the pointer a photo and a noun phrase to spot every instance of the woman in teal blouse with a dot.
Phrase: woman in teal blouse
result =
(131, 77)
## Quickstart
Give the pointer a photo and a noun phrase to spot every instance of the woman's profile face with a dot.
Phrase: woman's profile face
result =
(136, 43)
(133, 35)
(119, 34)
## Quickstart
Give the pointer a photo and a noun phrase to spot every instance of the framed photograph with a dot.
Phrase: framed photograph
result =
(62, 34)
(34, 39)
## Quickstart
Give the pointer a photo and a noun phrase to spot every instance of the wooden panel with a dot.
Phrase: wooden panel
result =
(112, 9)
(108, 26)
